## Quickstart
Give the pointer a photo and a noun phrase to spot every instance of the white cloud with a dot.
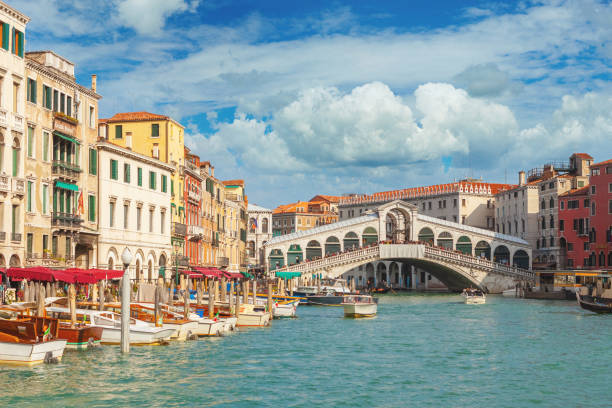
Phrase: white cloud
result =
(149, 16)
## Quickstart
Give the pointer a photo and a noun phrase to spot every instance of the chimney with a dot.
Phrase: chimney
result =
(521, 178)
(212, 171)
(94, 82)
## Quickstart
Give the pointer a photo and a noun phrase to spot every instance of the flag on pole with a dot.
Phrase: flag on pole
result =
(81, 208)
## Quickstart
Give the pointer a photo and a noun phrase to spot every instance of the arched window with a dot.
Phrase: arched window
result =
(543, 242)
(252, 225)
(602, 259)
(552, 241)
(551, 203)
(543, 223)
(552, 222)
(16, 147)
(264, 226)
(543, 205)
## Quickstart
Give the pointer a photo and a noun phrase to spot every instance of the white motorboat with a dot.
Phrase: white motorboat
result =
(251, 315)
(141, 333)
(285, 309)
(474, 296)
(359, 306)
(207, 327)
(510, 292)
(334, 286)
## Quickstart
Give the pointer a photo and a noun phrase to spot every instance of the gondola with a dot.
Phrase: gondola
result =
(593, 304)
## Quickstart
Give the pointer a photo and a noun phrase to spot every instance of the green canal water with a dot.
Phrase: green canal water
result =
(421, 350)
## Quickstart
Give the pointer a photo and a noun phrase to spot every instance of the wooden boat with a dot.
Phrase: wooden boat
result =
(30, 341)
(594, 304)
(80, 336)
(359, 306)
(474, 296)
(141, 333)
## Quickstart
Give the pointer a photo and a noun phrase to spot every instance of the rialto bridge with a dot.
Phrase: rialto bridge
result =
(404, 245)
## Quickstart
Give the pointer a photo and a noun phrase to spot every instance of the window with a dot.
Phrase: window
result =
(31, 96)
(30, 141)
(93, 161)
(610, 188)
(163, 220)
(592, 208)
(543, 205)
(562, 205)
(463, 219)
(92, 208)
(126, 172)
(580, 183)
(47, 102)
(593, 190)
(29, 193)
(609, 206)
(68, 248)
(118, 132)
(17, 42)
(561, 225)
(55, 100)
(54, 245)
(112, 214)
(92, 117)
(15, 160)
(114, 170)
(570, 246)
(126, 210)
(152, 180)
(164, 183)
(155, 130)
(69, 105)
(138, 218)
(29, 244)
(609, 170)
(551, 203)
(15, 96)
(5, 36)
(62, 106)
(429, 205)
(151, 220)
(139, 176)
(463, 202)
(45, 197)
(45, 146)
(552, 222)
(45, 246)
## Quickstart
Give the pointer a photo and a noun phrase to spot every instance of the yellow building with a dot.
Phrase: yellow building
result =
(160, 137)
(60, 166)
(236, 224)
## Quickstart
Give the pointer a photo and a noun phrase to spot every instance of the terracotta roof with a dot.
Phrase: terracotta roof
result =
(575, 192)
(233, 183)
(291, 208)
(134, 117)
(331, 199)
(583, 155)
(602, 163)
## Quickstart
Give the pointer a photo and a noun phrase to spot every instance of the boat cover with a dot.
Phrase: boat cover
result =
(288, 275)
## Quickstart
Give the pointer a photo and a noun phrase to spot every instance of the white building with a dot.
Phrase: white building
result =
(259, 231)
(134, 211)
(13, 145)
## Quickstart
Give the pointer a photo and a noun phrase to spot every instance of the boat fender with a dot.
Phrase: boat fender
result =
(91, 343)
(49, 359)
(191, 336)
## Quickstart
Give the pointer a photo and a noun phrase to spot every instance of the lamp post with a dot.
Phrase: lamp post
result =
(126, 258)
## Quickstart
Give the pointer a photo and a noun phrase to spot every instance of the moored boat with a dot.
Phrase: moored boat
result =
(252, 316)
(80, 336)
(359, 306)
(594, 304)
(30, 341)
(474, 296)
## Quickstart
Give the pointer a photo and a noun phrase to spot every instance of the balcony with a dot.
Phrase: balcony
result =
(3, 116)
(223, 261)
(15, 237)
(17, 120)
(194, 195)
(61, 219)
(181, 260)
(5, 183)
(233, 197)
(179, 229)
(18, 185)
(64, 169)
(195, 232)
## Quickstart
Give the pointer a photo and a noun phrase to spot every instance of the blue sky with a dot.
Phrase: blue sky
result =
(337, 97)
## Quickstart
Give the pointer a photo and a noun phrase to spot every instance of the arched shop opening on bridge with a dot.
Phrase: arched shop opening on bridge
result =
(464, 244)
(520, 259)
(351, 241)
(277, 260)
(294, 255)
(369, 236)
(332, 245)
(482, 250)
(501, 255)
(426, 235)
(313, 250)
(445, 240)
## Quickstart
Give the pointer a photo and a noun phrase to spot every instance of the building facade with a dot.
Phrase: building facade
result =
(13, 86)
(193, 208)
(134, 211)
(573, 228)
(61, 182)
(600, 233)
(259, 232)
(236, 224)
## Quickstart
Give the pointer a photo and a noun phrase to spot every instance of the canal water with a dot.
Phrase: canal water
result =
(421, 350)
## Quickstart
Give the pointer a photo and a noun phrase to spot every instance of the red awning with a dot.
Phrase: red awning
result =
(40, 273)
(104, 274)
(230, 275)
(193, 274)
(209, 272)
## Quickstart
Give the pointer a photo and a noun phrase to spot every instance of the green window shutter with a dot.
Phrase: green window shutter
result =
(30, 141)
(5, 36)
(29, 89)
(118, 131)
(45, 192)
(45, 146)
(152, 180)
(114, 170)
(15, 162)
(93, 161)
(126, 172)
(92, 208)
(155, 130)
(55, 198)
(164, 184)
(140, 177)
(13, 40)
(29, 196)
(172, 187)
(20, 39)
(34, 86)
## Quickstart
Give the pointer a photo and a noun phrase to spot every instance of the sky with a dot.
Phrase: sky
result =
(336, 97)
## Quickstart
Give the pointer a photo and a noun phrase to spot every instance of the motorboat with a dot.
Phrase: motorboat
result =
(594, 304)
(80, 336)
(326, 297)
(359, 306)
(184, 329)
(141, 333)
(335, 286)
(474, 296)
(30, 341)
(281, 306)
(510, 292)
(252, 315)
